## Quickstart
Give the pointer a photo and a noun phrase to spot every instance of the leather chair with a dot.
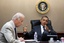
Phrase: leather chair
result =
(37, 22)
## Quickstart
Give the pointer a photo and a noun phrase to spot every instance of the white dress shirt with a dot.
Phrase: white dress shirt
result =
(42, 29)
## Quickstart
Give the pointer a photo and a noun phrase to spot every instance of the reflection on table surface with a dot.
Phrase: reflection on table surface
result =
(57, 41)
(33, 41)
(36, 42)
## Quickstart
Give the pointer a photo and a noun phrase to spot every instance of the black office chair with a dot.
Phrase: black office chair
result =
(37, 22)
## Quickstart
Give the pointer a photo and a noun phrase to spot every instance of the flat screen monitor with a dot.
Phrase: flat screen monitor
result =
(55, 37)
(47, 38)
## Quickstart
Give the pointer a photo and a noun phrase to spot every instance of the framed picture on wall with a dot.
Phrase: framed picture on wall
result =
(42, 7)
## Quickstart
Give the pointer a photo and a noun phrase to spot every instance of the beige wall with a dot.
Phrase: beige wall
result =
(9, 7)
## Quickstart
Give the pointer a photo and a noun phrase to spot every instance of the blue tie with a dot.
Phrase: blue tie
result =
(15, 33)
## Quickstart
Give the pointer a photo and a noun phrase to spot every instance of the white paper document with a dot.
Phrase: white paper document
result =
(22, 42)
(30, 40)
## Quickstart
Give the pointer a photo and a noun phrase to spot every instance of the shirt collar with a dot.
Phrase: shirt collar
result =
(41, 25)
(12, 23)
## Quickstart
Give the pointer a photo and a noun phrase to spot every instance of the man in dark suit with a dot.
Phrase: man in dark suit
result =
(42, 30)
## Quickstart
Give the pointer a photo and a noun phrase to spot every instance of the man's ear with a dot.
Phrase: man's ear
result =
(16, 20)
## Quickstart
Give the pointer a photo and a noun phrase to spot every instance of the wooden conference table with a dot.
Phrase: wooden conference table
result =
(36, 42)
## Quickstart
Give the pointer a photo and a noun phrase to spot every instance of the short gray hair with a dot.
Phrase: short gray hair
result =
(17, 16)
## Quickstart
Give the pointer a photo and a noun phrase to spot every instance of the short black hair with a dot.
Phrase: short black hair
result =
(44, 16)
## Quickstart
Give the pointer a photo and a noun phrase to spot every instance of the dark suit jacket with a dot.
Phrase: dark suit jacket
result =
(40, 36)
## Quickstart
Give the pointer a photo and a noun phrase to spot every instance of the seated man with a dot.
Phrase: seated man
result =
(42, 30)
(8, 32)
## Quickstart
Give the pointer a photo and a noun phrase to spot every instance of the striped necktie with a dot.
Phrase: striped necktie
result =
(15, 33)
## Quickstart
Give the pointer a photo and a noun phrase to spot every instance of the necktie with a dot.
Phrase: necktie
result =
(15, 33)
(44, 27)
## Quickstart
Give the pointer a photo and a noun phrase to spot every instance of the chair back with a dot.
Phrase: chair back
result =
(37, 22)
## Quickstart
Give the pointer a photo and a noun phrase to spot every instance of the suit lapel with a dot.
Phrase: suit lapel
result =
(39, 30)
(12, 30)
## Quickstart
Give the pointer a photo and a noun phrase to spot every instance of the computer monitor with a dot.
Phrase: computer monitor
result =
(55, 37)
(47, 37)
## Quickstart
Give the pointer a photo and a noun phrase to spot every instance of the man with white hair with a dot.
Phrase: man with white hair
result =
(8, 31)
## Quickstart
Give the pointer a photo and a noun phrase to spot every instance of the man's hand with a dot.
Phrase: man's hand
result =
(21, 39)
(25, 29)
(46, 28)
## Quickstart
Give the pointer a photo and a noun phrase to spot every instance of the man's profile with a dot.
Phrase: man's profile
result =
(8, 31)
